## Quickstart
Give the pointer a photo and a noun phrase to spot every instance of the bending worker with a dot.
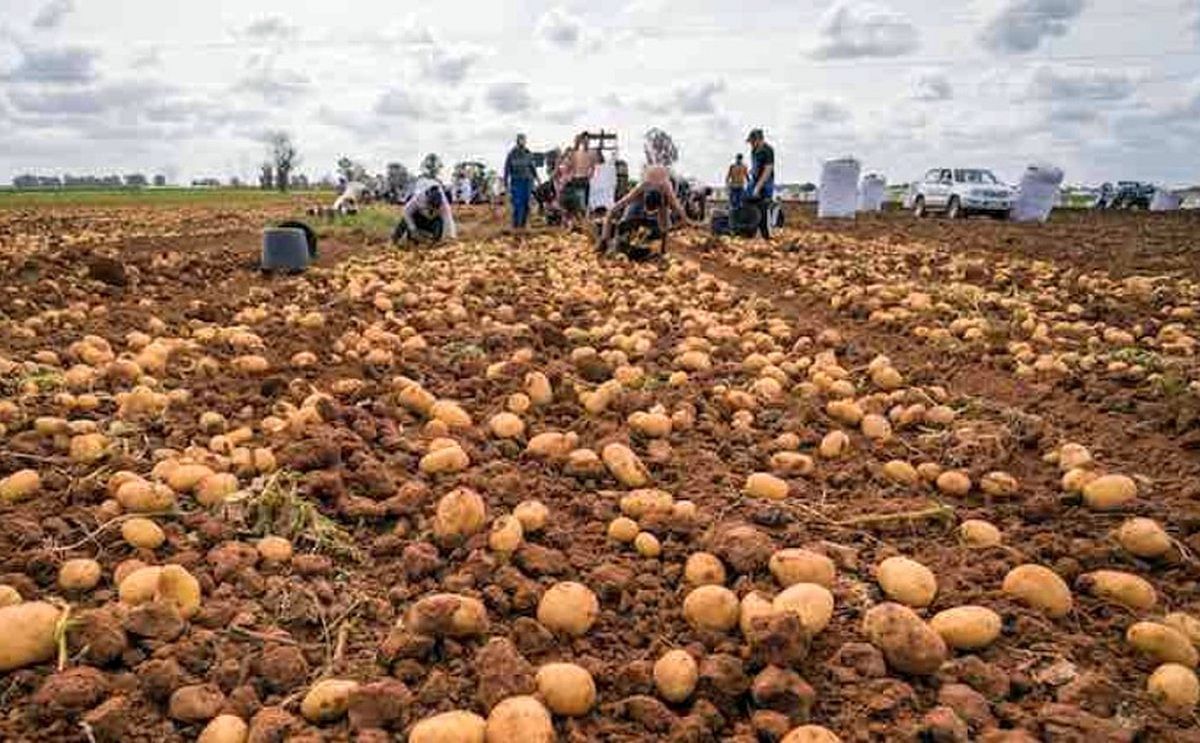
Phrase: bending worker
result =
(651, 202)
(427, 215)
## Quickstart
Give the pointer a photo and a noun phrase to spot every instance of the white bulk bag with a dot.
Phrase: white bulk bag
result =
(839, 188)
(1164, 201)
(870, 193)
(1037, 193)
(910, 196)
(602, 191)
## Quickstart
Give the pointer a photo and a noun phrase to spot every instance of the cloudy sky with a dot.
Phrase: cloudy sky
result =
(1105, 88)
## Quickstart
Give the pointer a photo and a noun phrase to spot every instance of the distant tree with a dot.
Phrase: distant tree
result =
(284, 155)
(160, 181)
(136, 180)
(300, 182)
(398, 179)
(266, 177)
(431, 166)
(351, 170)
(235, 182)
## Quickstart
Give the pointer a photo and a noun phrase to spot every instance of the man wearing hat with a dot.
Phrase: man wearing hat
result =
(520, 173)
(762, 177)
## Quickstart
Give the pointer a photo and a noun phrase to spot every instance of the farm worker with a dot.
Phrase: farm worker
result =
(651, 202)
(427, 215)
(580, 165)
(351, 194)
(762, 177)
(735, 182)
(520, 175)
(465, 194)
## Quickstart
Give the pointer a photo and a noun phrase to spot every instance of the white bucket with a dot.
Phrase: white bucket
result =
(1037, 193)
(870, 193)
(1164, 201)
(839, 188)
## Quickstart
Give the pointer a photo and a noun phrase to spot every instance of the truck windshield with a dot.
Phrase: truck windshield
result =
(974, 176)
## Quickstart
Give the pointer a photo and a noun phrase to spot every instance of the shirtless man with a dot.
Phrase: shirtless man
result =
(653, 201)
(580, 165)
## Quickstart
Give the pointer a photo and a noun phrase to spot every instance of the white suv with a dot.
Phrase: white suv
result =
(962, 192)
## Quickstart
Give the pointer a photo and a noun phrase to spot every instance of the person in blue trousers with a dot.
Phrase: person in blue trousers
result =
(761, 188)
(520, 176)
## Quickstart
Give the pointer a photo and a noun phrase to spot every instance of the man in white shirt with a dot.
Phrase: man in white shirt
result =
(427, 216)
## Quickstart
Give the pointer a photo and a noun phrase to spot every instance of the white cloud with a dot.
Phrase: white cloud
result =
(148, 59)
(401, 104)
(451, 64)
(825, 111)
(69, 64)
(508, 97)
(1048, 84)
(271, 83)
(932, 85)
(852, 28)
(52, 14)
(558, 28)
(1022, 25)
(270, 28)
(698, 99)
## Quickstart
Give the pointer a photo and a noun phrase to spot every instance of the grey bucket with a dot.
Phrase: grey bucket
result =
(284, 249)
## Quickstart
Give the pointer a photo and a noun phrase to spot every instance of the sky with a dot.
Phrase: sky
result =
(1105, 89)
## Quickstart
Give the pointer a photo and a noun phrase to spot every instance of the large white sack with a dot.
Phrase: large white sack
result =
(871, 192)
(603, 187)
(839, 188)
(1164, 201)
(1037, 193)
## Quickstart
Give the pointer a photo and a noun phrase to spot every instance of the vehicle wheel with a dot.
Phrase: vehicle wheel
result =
(954, 209)
(919, 208)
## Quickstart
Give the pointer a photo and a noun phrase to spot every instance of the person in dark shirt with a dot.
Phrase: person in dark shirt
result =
(520, 175)
(762, 178)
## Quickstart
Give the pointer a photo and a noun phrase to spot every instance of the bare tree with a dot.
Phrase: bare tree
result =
(266, 178)
(284, 155)
(431, 166)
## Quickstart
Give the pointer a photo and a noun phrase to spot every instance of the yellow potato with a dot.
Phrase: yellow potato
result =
(520, 719)
(647, 545)
(532, 514)
(999, 485)
(1124, 588)
(791, 463)
(177, 585)
(224, 729)
(637, 503)
(567, 688)
(1109, 492)
(327, 700)
(460, 514)
(447, 615)
(834, 445)
(704, 569)
(1039, 587)
(80, 574)
(979, 533)
(506, 426)
(623, 529)
(1164, 644)
(552, 444)
(568, 607)
(274, 549)
(445, 460)
(139, 585)
(763, 485)
(810, 734)
(954, 482)
(142, 533)
(1144, 538)
(753, 606)
(967, 627)
(1188, 625)
(811, 602)
(186, 477)
(216, 488)
(675, 675)
(625, 465)
(457, 726)
(902, 472)
(9, 596)
(450, 413)
(712, 608)
(506, 534)
(792, 566)
(1175, 688)
(27, 634)
(19, 486)
(907, 581)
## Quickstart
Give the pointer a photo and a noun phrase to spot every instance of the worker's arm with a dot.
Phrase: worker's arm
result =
(617, 209)
(673, 201)
(410, 208)
(449, 229)
(767, 170)
(508, 169)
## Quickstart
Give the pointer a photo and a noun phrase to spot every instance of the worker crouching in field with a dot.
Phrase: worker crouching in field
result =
(427, 216)
(645, 212)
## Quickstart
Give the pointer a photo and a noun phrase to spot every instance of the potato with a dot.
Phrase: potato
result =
(907, 581)
(979, 533)
(460, 514)
(568, 607)
(1144, 538)
(929, 471)
(274, 549)
(908, 644)
(88, 447)
(651, 425)
(791, 463)
(520, 719)
(187, 477)
(901, 472)
(712, 608)
(684, 511)
(1072, 456)
(704, 569)
(1109, 492)
(457, 726)
(792, 566)
(224, 729)
(811, 602)
(506, 534)
(448, 459)
(625, 466)
(327, 700)
(876, 427)
(537, 386)
(1162, 643)
(19, 486)
(1074, 481)
(27, 634)
(834, 445)
(450, 413)
(810, 734)
(139, 496)
(567, 688)
(142, 533)
(552, 444)
(647, 545)
(1124, 588)
(177, 585)
(623, 529)
(675, 675)
(9, 596)
(1186, 624)
(763, 485)
(754, 605)
(532, 515)
(967, 627)
(506, 426)
(637, 503)
(1175, 688)
(999, 485)
(447, 615)
(1040, 587)
(954, 482)
(82, 574)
